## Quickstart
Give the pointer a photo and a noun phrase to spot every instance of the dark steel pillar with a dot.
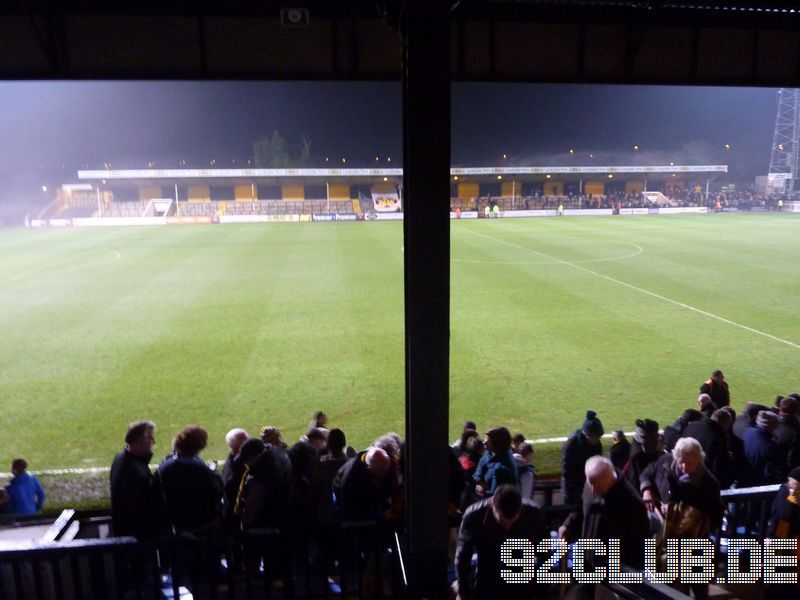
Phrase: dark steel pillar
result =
(425, 27)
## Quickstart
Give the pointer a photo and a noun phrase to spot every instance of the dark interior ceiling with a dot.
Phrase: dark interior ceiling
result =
(713, 42)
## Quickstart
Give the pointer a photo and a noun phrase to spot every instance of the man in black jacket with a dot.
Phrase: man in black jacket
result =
(609, 509)
(363, 485)
(787, 435)
(484, 528)
(672, 433)
(135, 499)
(716, 387)
(712, 435)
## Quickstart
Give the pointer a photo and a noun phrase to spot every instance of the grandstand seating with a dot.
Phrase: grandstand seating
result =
(198, 209)
(70, 212)
(266, 207)
(77, 203)
(124, 209)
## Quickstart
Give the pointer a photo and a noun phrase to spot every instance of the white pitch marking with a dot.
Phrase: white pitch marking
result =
(95, 470)
(554, 440)
(77, 470)
(648, 292)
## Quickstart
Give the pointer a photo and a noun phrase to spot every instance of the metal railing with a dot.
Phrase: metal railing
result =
(353, 559)
(356, 559)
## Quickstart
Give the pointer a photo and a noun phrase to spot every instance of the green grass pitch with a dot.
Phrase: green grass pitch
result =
(248, 325)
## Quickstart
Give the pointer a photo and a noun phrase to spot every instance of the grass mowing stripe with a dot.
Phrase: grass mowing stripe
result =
(644, 291)
(273, 322)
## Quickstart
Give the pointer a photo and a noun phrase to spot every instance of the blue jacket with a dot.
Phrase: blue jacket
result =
(25, 494)
(496, 469)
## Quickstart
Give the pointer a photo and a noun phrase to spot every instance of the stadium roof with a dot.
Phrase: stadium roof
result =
(715, 41)
(229, 176)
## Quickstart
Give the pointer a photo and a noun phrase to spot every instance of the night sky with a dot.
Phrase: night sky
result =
(48, 130)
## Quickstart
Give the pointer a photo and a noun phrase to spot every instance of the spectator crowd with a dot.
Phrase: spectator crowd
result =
(659, 484)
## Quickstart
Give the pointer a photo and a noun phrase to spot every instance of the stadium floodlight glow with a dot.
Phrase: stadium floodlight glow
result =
(388, 159)
(455, 177)
(727, 146)
(44, 188)
(386, 179)
(571, 151)
(635, 147)
(611, 176)
(499, 176)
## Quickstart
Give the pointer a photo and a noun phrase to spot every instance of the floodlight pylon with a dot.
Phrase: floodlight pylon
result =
(784, 163)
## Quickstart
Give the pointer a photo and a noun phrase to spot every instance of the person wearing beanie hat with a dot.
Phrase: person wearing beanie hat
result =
(747, 419)
(762, 453)
(579, 447)
(644, 450)
(767, 420)
(784, 523)
(592, 426)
